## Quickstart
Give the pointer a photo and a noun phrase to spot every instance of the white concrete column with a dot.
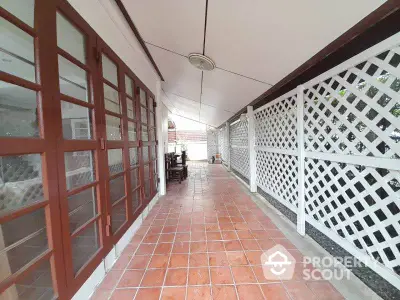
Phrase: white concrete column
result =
(162, 131)
(228, 141)
(252, 150)
(301, 214)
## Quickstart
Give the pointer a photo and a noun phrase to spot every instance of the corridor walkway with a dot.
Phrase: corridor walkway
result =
(204, 241)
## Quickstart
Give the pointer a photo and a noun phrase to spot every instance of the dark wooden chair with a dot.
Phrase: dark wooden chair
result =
(173, 171)
(183, 164)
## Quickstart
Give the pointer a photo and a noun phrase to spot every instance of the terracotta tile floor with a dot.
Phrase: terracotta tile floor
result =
(203, 240)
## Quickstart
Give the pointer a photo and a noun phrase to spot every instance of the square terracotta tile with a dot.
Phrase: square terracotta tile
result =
(324, 290)
(233, 245)
(215, 246)
(198, 260)
(214, 236)
(199, 276)
(275, 291)
(240, 226)
(229, 235)
(244, 234)
(299, 291)
(218, 259)
(155, 229)
(180, 247)
(123, 294)
(158, 262)
(221, 275)
(167, 238)
(197, 247)
(226, 226)
(243, 275)
(173, 293)
(131, 278)
(237, 258)
(250, 245)
(249, 291)
(176, 277)
(169, 229)
(182, 237)
(198, 227)
(148, 294)
(146, 249)
(258, 271)
(122, 262)
(111, 279)
(260, 234)
(198, 293)
(198, 236)
(224, 292)
(151, 238)
(153, 278)
(183, 228)
(213, 226)
(139, 262)
(276, 234)
(254, 257)
(266, 244)
(179, 261)
(164, 248)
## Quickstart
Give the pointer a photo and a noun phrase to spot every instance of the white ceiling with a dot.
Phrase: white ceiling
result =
(253, 43)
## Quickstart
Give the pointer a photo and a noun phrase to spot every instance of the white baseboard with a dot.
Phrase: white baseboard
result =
(90, 285)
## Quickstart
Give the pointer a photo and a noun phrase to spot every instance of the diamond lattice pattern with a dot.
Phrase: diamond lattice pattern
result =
(357, 111)
(277, 175)
(275, 126)
(212, 144)
(239, 134)
(359, 203)
(239, 155)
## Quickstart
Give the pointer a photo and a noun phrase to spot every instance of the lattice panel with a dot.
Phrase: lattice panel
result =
(240, 161)
(222, 145)
(357, 111)
(275, 126)
(277, 173)
(361, 204)
(239, 134)
(212, 143)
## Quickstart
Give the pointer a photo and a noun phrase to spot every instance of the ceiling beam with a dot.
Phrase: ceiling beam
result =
(138, 36)
(374, 28)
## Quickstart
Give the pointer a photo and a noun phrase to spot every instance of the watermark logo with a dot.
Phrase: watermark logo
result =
(278, 263)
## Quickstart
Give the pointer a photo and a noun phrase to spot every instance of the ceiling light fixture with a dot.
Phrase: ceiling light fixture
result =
(201, 61)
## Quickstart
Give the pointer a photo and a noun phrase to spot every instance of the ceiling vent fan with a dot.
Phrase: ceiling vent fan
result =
(201, 61)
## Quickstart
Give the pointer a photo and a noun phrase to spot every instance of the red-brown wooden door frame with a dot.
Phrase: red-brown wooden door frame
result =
(52, 146)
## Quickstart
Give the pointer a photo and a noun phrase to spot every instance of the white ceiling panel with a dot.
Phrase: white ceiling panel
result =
(177, 25)
(184, 107)
(267, 40)
(213, 116)
(181, 78)
(228, 91)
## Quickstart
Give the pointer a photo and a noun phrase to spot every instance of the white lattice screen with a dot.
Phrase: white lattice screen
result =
(276, 148)
(239, 147)
(349, 123)
(355, 112)
(212, 143)
(222, 144)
